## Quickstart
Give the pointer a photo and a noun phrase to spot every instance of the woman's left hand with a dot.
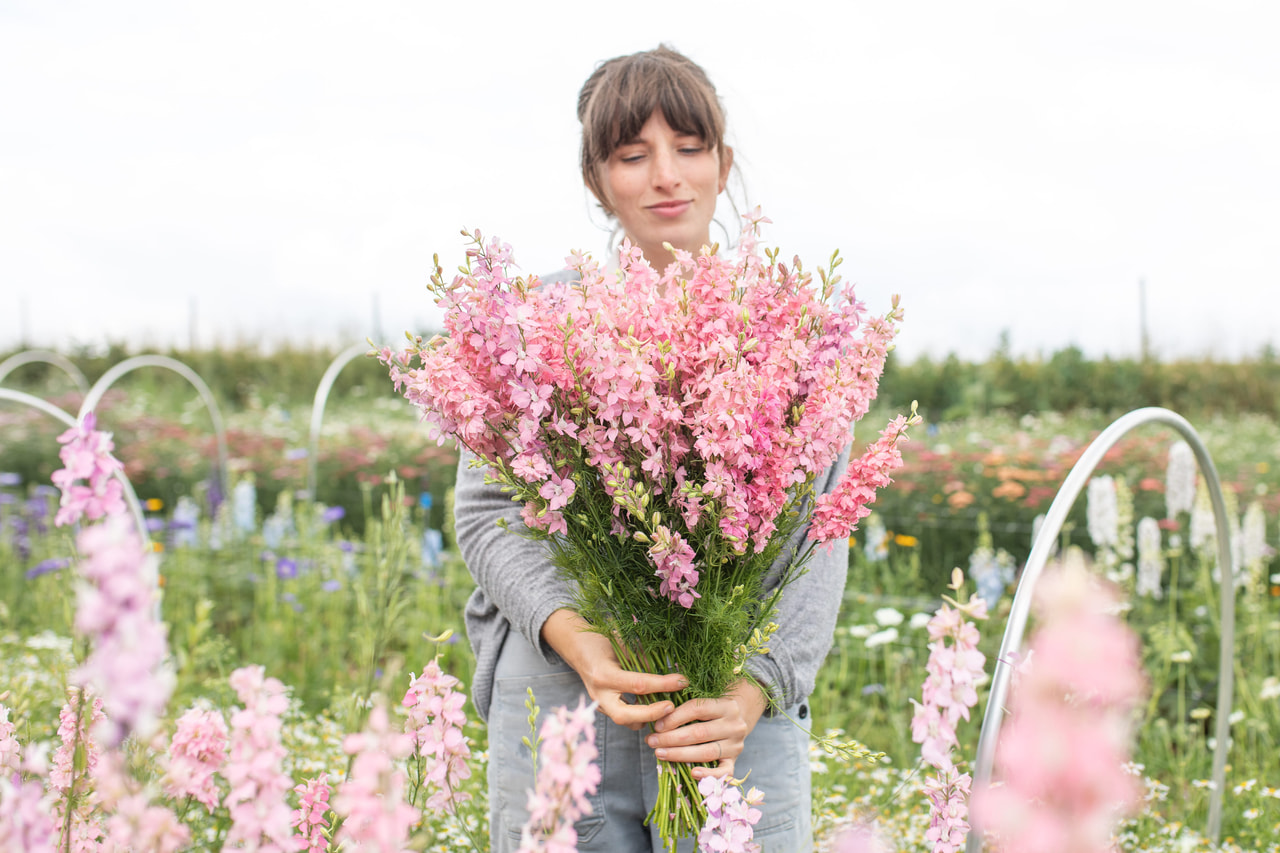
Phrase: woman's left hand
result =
(708, 730)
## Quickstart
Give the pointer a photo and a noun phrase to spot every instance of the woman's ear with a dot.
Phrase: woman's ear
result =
(726, 163)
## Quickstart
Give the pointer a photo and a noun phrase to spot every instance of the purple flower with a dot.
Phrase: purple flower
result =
(286, 569)
(44, 567)
(10, 479)
(873, 690)
(6, 499)
(291, 600)
(331, 586)
(155, 525)
(293, 454)
(332, 514)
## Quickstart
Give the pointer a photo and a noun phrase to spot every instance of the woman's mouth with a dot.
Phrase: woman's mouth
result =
(670, 209)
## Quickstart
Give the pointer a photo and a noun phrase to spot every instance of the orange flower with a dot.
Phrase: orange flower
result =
(1010, 489)
(960, 499)
(905, 541)
(154, 504)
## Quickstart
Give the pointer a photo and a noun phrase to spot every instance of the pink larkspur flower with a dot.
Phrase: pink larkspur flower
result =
(197, 752)
(949, 691)
(1061, 754)
(567, 776)
(309, 818)
(86, 455)
(115, 611)
(731, 816)
(435, 723)
(371, 801)
(260, 815)
(838, 512)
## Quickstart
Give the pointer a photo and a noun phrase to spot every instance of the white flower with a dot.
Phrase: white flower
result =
(861, 631)
(1270, 688)
(1236, 717)
(919, 620)
(888, 616)
(1150, 558)
(1181, 657)
(1250, 814)
(880, 638)
(1103, 512)
(1180, 479)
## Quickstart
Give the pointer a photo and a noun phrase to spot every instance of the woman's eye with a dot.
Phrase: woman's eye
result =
(691, 149)
(631, 158)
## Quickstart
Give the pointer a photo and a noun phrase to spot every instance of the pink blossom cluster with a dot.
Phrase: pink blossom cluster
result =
(115, 610)
(260, 815)
(309, 818)
(723, 384)
(567, 776)
(133, 822)
(838, 512)
(196, 753)
(86, 455)
(1061, 754)
(371, 802)
(10, 749)
(731, 816)
(950, 690)
(25, 822)
(435, 724)
(73, 791)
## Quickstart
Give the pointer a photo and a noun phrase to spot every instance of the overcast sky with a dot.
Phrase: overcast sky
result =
(285, 170)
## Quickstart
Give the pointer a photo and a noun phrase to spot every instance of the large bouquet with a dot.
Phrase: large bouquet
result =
(663, 432)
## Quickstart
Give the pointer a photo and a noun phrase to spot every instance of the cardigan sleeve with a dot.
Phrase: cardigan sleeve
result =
(511, 571)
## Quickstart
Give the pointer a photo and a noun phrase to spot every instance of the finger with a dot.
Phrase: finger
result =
(633, 716)
(701, 753)
(693, 734)
(725, 768)
(643, 683)
(691, 711)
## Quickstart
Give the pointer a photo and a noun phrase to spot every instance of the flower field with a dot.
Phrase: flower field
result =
(343, 598)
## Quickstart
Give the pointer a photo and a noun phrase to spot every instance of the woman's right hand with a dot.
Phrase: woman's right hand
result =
(591, 656)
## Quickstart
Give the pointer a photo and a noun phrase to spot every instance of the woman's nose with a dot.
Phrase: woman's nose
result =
(666, 170)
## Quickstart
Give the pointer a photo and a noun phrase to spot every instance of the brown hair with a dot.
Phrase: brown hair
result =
(623, 92)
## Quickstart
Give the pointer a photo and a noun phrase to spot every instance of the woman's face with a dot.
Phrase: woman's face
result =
(662, 187)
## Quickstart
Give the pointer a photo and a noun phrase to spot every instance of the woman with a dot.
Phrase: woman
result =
(655, 158)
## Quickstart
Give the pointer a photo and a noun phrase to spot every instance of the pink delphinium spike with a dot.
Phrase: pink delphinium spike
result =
(950, 690)
(371, 802)
(260, 815)
(435, 723)
(86, 455)
(1062, 752)
(309, 818)
(10, 749)
(837, 513)
(133, 821)
(71, 788)
(197, 752)
(114, 610)
(25, 822)
(731, 816)
(567, 776)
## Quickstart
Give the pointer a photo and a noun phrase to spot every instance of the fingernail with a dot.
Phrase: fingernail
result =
(657, 727)
(652, 741)
(661, 753)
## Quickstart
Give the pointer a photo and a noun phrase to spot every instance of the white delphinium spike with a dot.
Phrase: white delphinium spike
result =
(1180, 479)
(1150, 558)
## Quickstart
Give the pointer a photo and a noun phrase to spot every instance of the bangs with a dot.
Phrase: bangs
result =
(624, 101)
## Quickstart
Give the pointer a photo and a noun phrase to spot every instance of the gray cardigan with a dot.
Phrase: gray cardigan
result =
(517, 587)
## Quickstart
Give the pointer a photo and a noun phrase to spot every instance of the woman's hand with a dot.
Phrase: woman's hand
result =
(591, 656)
(705, 730)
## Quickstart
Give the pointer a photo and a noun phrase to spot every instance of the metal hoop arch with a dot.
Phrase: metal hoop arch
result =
(343, 358)
(1040, 552)
(130, 364)
(45, 356)
(130, 496)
